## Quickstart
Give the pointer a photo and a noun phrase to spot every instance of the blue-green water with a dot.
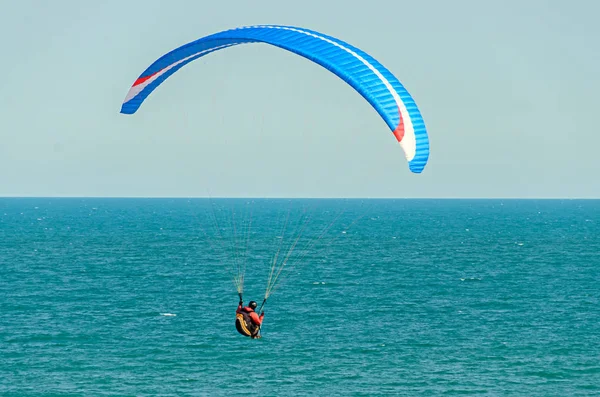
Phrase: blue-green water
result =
(416, 298)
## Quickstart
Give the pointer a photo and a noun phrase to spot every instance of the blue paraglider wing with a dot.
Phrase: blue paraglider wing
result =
(367, 76)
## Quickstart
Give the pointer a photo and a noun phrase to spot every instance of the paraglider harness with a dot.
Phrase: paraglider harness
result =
(244, 324)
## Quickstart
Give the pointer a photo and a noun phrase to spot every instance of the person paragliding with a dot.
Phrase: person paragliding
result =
(247, 321)
(366, 75)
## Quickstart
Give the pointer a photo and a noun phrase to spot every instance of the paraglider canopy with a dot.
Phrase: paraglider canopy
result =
(361, 71)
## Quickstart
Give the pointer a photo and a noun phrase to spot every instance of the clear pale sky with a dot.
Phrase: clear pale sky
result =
(508, 91)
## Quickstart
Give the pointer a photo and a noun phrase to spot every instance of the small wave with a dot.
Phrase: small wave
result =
(471, 279)
(168, 314)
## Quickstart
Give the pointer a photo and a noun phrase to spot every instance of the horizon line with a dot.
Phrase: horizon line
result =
(294, 197)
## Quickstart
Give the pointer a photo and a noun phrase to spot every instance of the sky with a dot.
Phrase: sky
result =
(508, 91)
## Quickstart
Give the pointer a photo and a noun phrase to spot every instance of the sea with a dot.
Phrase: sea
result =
(373, 297)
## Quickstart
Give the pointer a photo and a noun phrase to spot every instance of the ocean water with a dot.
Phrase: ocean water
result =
(134, 297)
